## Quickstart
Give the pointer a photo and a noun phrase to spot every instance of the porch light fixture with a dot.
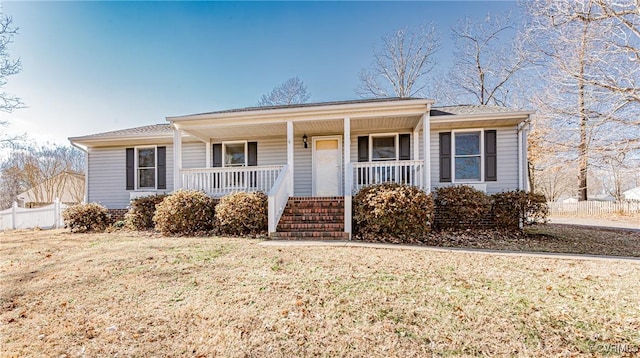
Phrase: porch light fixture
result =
(304, 141)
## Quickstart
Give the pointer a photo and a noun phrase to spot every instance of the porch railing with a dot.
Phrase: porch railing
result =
(221, 181)
(278, 197)
(410, 172)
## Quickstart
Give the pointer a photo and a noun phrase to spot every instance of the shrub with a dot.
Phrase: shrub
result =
(86, 217)
(513, 207)
(185, 212)
(141, 211)
(242, 214)
(392, 213)
(459, 207)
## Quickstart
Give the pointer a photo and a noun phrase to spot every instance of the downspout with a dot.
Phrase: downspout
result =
(522, 145)
(86, 171)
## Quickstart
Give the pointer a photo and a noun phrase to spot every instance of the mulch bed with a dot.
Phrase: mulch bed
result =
(538, 238)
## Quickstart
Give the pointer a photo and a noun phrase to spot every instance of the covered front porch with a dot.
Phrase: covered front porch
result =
(306, 151)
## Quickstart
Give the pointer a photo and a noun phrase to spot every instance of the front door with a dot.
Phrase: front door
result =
(327, 166)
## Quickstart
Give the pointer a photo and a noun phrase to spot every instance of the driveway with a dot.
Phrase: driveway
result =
(630, 223)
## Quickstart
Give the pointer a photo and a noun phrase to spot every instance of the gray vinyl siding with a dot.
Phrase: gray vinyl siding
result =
(193, 155)
(107, 176)
(507, 147)
(272, 151)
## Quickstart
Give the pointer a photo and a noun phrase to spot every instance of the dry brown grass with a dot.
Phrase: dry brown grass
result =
(142, 295)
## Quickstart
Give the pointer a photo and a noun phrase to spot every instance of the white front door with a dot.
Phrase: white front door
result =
(327, 166)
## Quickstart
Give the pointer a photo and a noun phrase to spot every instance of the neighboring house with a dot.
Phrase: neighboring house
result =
(570, 200)
(632, 194)
(312, 151)
(67, 187)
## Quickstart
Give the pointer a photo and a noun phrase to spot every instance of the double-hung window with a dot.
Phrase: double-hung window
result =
(467, 156)
(146, 166)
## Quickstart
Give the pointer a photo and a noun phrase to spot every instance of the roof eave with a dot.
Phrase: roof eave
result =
(308, 110)
(90, 141)
(480, 116)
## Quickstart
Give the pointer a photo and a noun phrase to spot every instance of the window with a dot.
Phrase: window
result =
(468, 156)
(146, 168)
(384, 148)
(235, 154)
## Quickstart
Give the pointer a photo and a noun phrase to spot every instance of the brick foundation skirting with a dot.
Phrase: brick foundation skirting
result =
(117, 214)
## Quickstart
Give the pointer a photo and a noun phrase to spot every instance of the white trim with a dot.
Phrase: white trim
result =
(136, 168)
(207, 154)
(453, 155)
(177, 159)
(290, 156)
(426, 143)
(347, 175)
(313, 162)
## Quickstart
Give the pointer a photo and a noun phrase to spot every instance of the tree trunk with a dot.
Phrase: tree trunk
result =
(583, 162)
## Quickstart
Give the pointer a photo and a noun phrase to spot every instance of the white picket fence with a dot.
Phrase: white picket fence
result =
(594, 208)
(46, 217)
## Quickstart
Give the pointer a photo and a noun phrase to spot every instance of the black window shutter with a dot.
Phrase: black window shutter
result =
(217, 154)
(490, 156)
(405, 146)
(131, 170)
(363, 149)
(252, 159)
(162, 167)
(445, 157)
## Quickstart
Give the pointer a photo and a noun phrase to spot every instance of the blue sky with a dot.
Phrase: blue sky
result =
(90, 67)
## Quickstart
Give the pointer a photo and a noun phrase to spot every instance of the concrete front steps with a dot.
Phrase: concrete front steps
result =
(312, 218)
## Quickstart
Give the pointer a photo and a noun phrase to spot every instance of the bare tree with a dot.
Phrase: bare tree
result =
(572, 40)
(486, 59)
(8, 67)
(291, 91)
(42, 169)
(401, 65)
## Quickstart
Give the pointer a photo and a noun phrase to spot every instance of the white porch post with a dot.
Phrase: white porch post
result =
(348, 176)
(426, 142)
(290, 143)
(207, 154)
(177, 158)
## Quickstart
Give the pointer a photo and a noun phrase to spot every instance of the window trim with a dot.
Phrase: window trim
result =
(246, 153)
(137, 168)
(480, 132)
(396, 142)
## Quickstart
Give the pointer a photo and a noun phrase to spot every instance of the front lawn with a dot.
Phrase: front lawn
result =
(135, 294)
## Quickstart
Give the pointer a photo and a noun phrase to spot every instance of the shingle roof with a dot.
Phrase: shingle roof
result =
(303, 105)
(150, 130)
(468, 109)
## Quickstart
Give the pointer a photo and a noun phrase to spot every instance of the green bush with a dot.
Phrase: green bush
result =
(242, 214)
(185, 212)
(86, 217)
(141, 211)
(392, 213)
(513, 207)
(461, 207)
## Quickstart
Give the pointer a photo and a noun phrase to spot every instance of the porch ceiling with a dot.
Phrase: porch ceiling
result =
(329, 126)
